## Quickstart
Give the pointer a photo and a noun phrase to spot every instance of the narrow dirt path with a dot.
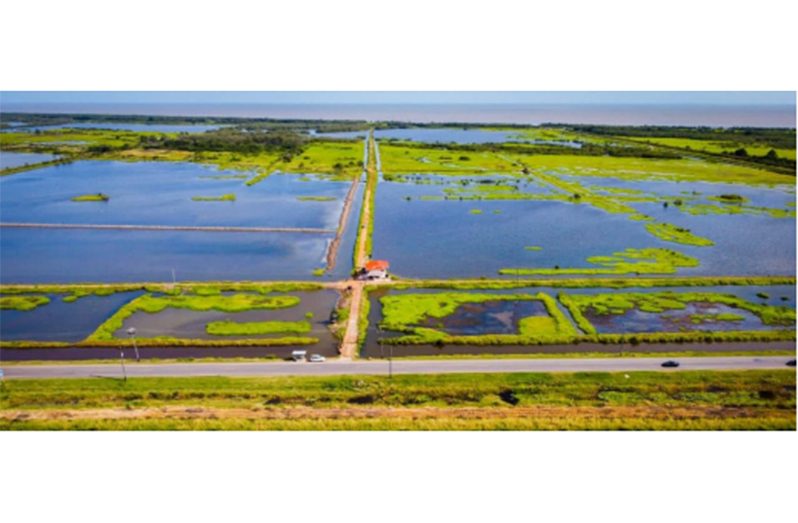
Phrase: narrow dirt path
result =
(349, 344)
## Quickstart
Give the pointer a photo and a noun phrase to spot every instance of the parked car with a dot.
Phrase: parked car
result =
(791, 363)
(670, 364)
(317, 358)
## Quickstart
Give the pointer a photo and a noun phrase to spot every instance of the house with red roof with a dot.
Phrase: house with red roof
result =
(374, 270)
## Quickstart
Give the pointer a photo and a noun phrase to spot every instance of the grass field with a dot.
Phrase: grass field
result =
(338, 158)
(400, 159)
(733, 400)
(715, 146)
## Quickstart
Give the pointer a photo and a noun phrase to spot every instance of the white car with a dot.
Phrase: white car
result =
(316, 358)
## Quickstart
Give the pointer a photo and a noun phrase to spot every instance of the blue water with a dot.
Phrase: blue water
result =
(445, 135)
(59, 321)
(9, 160)
(71, 256)
(441, 239)
(138, 127)
(160, 193)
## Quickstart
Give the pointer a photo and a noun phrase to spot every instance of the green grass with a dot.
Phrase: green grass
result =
(223, 198)
(231, 328)
(686, 400)
(154, 304)
(99, 197)
(671, 233)
(715, 146)
(630, 261)
(621, 303)
(22, 303)
(409, 158)
(405, 312)
(340, 159)
(316, 198)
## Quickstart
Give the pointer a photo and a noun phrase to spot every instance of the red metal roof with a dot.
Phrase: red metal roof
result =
(377, 265)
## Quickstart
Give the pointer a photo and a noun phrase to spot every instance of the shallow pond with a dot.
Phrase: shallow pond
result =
(122, 126)
(422, 237)
(60, 321)
(446, 135)
(160, 193)
(72, 256)
(778, 295)
(9, 160)
(182, 323)
(445, 239)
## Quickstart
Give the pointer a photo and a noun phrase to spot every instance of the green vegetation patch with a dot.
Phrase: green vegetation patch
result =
(316, 198)
(153, 304)
(685, 400)
(99, 197)
(22, 303)
(629, 261)
(621, 303)
(223, 198)
(231, 328)
(671, 233)
(405, 312)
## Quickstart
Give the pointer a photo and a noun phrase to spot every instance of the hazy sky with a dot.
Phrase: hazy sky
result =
(406, 97)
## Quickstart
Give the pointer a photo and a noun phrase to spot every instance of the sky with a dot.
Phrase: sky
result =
(404, 97)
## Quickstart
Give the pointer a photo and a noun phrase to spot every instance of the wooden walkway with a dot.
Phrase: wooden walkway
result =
(194, 228)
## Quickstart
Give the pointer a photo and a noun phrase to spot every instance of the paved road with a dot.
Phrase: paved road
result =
(331, 368)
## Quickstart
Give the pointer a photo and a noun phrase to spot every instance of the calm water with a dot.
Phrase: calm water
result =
(532, 114)
(70, 256)
(160, 193)
(191, 324)
(138, 127)
(9, 160)
(59, 321)
(778, 295)
(446, 135)
(441, 239)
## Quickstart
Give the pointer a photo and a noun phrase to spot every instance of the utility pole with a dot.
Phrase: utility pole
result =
(122, 360)
(132, 333)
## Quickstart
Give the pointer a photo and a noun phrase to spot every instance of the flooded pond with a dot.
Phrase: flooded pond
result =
(424, 236)
(475, 319)
(446, 135)
(61, 321)
(73, 256)
(160, 193)
(9, 160)
(123, 126)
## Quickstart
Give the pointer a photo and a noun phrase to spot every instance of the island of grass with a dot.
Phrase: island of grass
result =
(316, 198)
(98, 197)
(231, 328)
(629, 261)
(672, 233)
(223, 198)
(22, 303)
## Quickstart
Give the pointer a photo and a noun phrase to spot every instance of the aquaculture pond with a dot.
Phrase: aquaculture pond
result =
(446, 135)
(169, 193)
(125, 126)
(502, 317)
(72, 256)
(427, 238)
(9, 160)
(59, 320)
(312, 314)
(466, 226)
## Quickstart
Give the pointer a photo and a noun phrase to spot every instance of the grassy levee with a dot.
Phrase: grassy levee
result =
(199, 287)
(610, 283)
(365, 227)
(688, 400)
(29, 167)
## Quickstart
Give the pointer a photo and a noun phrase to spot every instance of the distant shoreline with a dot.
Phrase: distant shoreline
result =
(711, 115)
